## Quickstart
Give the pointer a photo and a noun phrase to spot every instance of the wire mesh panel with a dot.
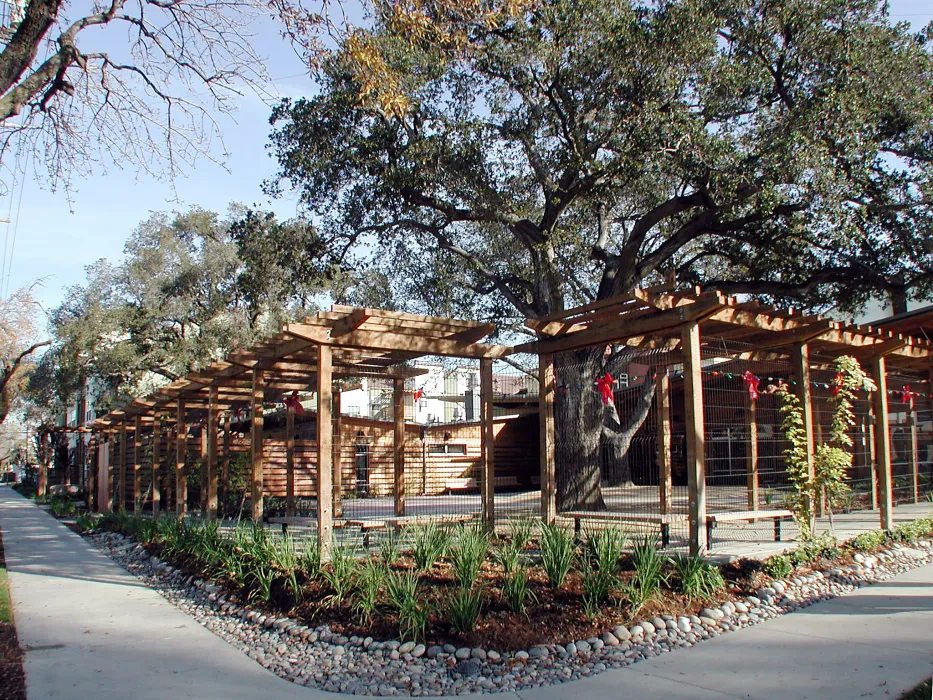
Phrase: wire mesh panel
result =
(910, 434)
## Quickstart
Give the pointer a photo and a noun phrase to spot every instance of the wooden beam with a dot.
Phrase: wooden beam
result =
(665, 481)
(156, 464)
(546, 386)
(406, 318)
(883, 439)
(137, 468)
(487, 446)
(696, 441)
(397, 342)
(212, 455)
(181, 452)
(350, 322)
(325, 434)
(800, 367)
(256, 446)
(398, 445)
(290, 461)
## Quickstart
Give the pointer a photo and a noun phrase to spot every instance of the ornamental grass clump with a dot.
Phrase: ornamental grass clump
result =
(429, 544)
(370, 584)
(557, 551)
(340, 574)
(404, 595)
(699, 579)
(509, 556)
(603, 549)
(516, 591)
(463, 609)
(468, 553)
(650, 572)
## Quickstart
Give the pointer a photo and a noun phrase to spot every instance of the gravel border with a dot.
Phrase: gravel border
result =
(317, 658)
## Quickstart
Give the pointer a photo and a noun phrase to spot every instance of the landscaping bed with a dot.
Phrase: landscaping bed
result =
(12, 677)
(329, 643)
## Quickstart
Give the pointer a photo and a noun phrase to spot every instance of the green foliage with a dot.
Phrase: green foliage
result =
(912, 531)
(597, 587)
(823, 547)
(867, 541)
(779, 566)
(467, 554)
(521, 531)
(698, 578)
(509, 556)
(370, 584)
(557, 552)
(340, 573)
(650, 572)
(310, 558)
(429, 543)
(403, 592)
(603, 548)
(516, 591)
(463, 609)
(390, 547)
(86, 522)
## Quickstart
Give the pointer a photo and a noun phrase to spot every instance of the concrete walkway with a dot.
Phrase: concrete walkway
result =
(90, 630)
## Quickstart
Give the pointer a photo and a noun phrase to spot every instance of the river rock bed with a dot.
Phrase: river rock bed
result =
(318, 658)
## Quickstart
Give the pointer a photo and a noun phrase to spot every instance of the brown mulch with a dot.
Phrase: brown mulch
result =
(12, 677)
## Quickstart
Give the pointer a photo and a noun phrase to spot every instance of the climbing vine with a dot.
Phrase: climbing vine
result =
(830, 459)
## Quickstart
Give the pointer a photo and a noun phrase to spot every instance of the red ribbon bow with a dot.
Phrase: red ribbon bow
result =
(604, 384)
(752, 382)
(293, 403)
(907, 394)
(837, 384)
(418, 394)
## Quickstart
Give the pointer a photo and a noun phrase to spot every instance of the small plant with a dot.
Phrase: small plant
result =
(522, 531)
(698, 578)
(340, 574)
(309, 561)
(649, 575)
(597, 587)
(429, 544)
(370, 582)
(604, 548)
(508, 556)
(779, 566)
(463, 609)
(515, 589)
(403, 594)
(86, 522)
(557, 549)
(867, 541)
(390, 548)
(468, 554)
(264, 577)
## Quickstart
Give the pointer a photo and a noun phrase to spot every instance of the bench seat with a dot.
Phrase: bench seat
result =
(664, 520)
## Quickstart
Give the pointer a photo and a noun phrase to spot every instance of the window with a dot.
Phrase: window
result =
(447, 449)
(353, 411)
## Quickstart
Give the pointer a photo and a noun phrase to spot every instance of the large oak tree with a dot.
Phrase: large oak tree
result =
(779, 148)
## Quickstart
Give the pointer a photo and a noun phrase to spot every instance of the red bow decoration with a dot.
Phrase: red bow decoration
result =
(418, 394)
(237, 413)
(837, 384)
(604, 384)
(907, 394)
(752, 382)
(293, 403)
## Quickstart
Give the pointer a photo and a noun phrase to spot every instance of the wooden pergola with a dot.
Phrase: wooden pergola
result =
(307, 356)
(679, 322)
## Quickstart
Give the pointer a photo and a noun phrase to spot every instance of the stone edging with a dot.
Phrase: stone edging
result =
(317, 658)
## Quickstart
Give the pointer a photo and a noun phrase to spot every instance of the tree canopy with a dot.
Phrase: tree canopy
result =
(583, 148)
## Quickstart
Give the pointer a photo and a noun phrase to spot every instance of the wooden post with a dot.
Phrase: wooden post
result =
(181, 449)
(121, 470)
(290, 460)
(103, 473)
(398, 444)
(800, 366)
(212, 453)
(156, 464)
(43, 485)
(883, 440)
(202, 472)
(914, 450)
(873, 453)
(93, 469)
(225, 460)
(256, 445)
(338, 477)
(137, 466)
(547, 437)
(487, 445)
(325, 435)
(696, 436)
(753, 481)
(665, 480)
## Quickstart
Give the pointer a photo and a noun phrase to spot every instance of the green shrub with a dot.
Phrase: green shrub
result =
(340, 574)
(429, 543)
(557, 550)
(87, 522)
(390, 548)
(867, 541)
(370, 582)
(402, 590)
(597, 587)
(604, 548)
(778, 566)
(463, 609)
(508, 556)
(468, 554)
(516, 591)
(522, 530)
(649, 574)
(698, 578)
(310, 558)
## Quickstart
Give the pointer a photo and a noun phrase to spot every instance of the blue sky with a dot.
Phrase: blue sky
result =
(55, 239)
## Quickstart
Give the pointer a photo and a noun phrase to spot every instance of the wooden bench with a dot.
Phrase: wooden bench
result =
(460, 484)
(748, 516)
(664, 521)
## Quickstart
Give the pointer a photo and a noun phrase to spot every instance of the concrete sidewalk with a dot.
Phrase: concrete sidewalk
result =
(91, 630)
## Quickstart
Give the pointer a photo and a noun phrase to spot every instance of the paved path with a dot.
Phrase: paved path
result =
(90, 630)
